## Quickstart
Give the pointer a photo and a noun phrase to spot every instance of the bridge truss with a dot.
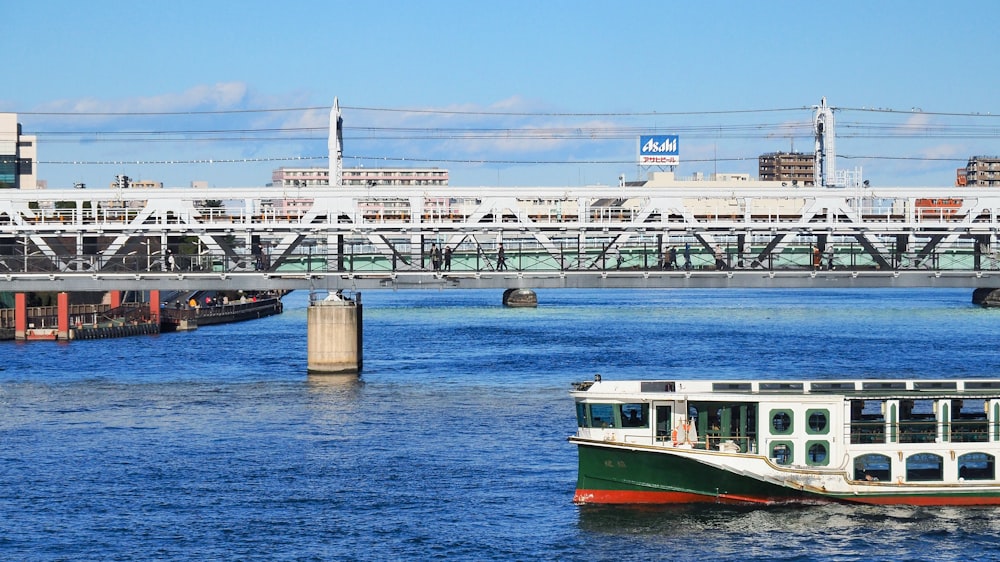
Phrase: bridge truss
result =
(595, 236)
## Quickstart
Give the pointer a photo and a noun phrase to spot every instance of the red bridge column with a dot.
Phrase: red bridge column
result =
(62, 300)
(154, 305)
(20, 315)
(115, 298)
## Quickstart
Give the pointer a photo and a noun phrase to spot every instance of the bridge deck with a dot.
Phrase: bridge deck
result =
(249, 281)
(263, 238)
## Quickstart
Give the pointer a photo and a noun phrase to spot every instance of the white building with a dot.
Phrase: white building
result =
(312, 177)
(355, 177)
(17, 155)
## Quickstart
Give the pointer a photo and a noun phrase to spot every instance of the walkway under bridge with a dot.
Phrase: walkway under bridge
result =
(388, 237)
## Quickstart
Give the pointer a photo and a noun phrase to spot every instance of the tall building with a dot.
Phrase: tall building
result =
(17, 155)
(312, 177)
(795, 168)
(982, 171)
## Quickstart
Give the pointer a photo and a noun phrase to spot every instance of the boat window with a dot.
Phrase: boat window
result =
(818, 421)
(981, 385)
(867, 421)
(781, 452)
(657, 386)
(935, 385)
(731, 387)
(969, 424)
(977, 466)
(873, 467)
(816, 387)
(996, 421)
(634, 415)
(602, 415)
(923, 467)
(917, 421)
(900, 385)
(780, 387)
(781, 422)
(663, 422)
(726, 423)
(816, 453)
(581, 414)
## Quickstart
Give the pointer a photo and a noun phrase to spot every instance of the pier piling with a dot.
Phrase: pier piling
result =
(334, 343)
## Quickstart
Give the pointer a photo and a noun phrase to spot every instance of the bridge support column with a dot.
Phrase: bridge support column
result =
(154, 305)
(520, 298)
(62, 316)
(114, 298)
(20, 316)
(986, 296)
(334, 327)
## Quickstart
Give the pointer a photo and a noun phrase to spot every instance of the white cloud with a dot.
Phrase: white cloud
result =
(221, 96)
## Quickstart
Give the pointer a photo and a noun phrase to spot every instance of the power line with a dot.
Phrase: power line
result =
(915, 111)
(471, 112)
(910, 158)
(402, 110)
(471, 161)
(742, 130)
(559, 114)
(155, 113)
(194, 161)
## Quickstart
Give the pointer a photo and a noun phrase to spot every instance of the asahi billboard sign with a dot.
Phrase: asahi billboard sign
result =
(659, 150)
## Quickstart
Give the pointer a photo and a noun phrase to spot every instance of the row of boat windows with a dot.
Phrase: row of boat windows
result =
(924, 421)
(919, 467)
(916, 420)
(925, 467)
(612, 415)
(817, 422)
(637, 415)
(707, 425)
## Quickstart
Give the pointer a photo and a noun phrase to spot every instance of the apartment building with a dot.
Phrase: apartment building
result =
(313, 177)
(982, 171)
(795, 168)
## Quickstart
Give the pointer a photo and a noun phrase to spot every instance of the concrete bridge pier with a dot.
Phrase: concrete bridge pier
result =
(520, 298)
(334, 328)
(986, 296)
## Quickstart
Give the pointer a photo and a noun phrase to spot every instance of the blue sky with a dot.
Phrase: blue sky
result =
(509, 93)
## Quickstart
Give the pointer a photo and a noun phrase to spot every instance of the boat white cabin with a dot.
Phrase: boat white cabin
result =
(872, 441)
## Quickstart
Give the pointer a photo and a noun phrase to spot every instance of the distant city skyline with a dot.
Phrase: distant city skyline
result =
(520, 94)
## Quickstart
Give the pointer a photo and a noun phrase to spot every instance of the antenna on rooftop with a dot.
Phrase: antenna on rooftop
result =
(335, 144)
(825, 169)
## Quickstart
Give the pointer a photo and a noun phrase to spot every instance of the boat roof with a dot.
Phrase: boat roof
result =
(861, 388)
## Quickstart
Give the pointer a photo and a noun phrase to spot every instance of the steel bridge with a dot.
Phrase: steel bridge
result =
(591, 237)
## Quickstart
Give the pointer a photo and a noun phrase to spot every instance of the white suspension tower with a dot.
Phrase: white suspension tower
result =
(824, 173)
(335, 144)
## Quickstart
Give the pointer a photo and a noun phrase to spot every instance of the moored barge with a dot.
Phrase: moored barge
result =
(912, 442)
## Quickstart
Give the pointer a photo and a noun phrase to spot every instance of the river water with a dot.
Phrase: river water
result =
(216, 445)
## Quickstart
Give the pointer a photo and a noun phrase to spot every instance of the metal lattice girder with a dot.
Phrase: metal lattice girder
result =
(95, 229)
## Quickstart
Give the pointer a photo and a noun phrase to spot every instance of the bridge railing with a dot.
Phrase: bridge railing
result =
(470, 257)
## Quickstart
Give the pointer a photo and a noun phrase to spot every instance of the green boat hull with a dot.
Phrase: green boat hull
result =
(626, 475)
(610, 474)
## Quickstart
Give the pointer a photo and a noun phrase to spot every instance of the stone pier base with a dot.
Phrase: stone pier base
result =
(986, 296)
(334, 335)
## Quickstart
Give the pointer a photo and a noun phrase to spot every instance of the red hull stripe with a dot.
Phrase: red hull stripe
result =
(924, 500)
(658, 497)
